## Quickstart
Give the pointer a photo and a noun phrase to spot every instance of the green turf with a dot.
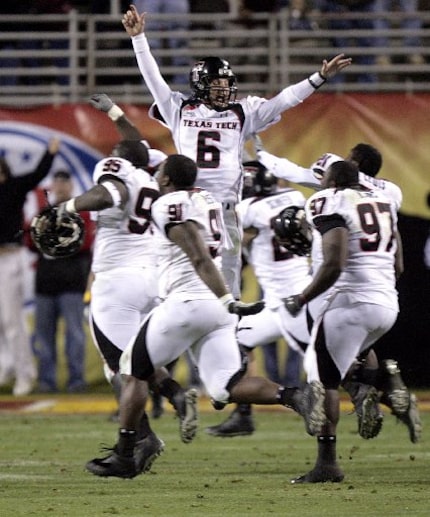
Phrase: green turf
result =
(42, 471)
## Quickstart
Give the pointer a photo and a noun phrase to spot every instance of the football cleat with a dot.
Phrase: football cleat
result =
(369, 415)
(321, 474)
(309, 403)
(146, 451)
(185, 404)
(411, 418)
(113, 465)
(235, 425)
(396, 392)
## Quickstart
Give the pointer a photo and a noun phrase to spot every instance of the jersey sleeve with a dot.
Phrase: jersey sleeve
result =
(287, 170)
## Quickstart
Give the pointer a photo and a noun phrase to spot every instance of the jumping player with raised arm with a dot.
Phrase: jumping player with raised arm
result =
(210, 126)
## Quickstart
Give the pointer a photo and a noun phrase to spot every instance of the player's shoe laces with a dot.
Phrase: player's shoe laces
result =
(113, 465)
(411, 418)
(186, 409)
(369, 415)
(309, 403)
(396, 391)
(146, 451)
(235, 425)
(321, 474)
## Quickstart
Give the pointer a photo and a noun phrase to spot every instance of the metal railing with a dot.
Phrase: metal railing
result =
(55, 59)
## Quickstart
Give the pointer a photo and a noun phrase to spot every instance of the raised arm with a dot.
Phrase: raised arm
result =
(125, 127)
(134, 24)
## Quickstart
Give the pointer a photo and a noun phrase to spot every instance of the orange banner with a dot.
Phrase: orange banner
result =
(397, 124)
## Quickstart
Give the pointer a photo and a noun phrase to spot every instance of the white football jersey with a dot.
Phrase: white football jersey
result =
(125, 235)
(213, 139)
(311, 177)
(177, 274)
(278, 271)
(371, 220)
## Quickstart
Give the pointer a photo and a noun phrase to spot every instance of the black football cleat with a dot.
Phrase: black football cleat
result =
(309, 403)
(321, 474)
(235, 425)
(369, 415)
(185, 404)
(113, 465)
(146, 451)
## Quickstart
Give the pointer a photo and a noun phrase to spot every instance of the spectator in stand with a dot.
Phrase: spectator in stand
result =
(12, 8)
(344, 24)
(16, 358)
(175, 22)
(42, 7)
(247, 10)
(411, 22)
(60, 287)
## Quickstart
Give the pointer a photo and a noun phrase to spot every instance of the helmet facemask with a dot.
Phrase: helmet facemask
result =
(213, 81)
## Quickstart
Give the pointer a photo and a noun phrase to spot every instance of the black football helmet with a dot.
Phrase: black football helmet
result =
(201, 75)
(57, 235)
(292, 230)
(264, 181)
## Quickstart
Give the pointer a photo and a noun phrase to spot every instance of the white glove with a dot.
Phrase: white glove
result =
(101, 102)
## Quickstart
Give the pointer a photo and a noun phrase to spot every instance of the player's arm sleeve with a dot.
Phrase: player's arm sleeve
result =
(289, 97)
(148, 67)
(287, 170)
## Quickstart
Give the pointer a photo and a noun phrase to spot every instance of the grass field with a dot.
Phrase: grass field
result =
(44, 450)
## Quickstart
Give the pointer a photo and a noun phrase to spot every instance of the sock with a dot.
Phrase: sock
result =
(169, 388)
(326, 450)
(244, 409)
(126, 442)
(144, 428)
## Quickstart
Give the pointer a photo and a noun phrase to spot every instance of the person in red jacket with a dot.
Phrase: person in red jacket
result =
(59, 291)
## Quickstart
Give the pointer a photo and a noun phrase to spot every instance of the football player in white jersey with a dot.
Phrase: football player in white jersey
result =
(361, 260)
(279, 273)
(199, 312)
(367, 373)
(125, 286)
(211, 127)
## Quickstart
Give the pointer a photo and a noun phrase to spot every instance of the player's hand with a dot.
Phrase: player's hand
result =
(133, 22)
(293, 304)
(67, 207)
(101, 102)
(245, 309)
(335, 65)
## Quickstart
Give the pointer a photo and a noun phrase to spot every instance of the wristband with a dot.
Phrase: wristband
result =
(70, 206)
(226, 299)
(115, 113)
(316, 80)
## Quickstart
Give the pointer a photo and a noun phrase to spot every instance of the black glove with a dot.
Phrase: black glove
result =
(294, 304)
(245, 309)
(101, 102)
